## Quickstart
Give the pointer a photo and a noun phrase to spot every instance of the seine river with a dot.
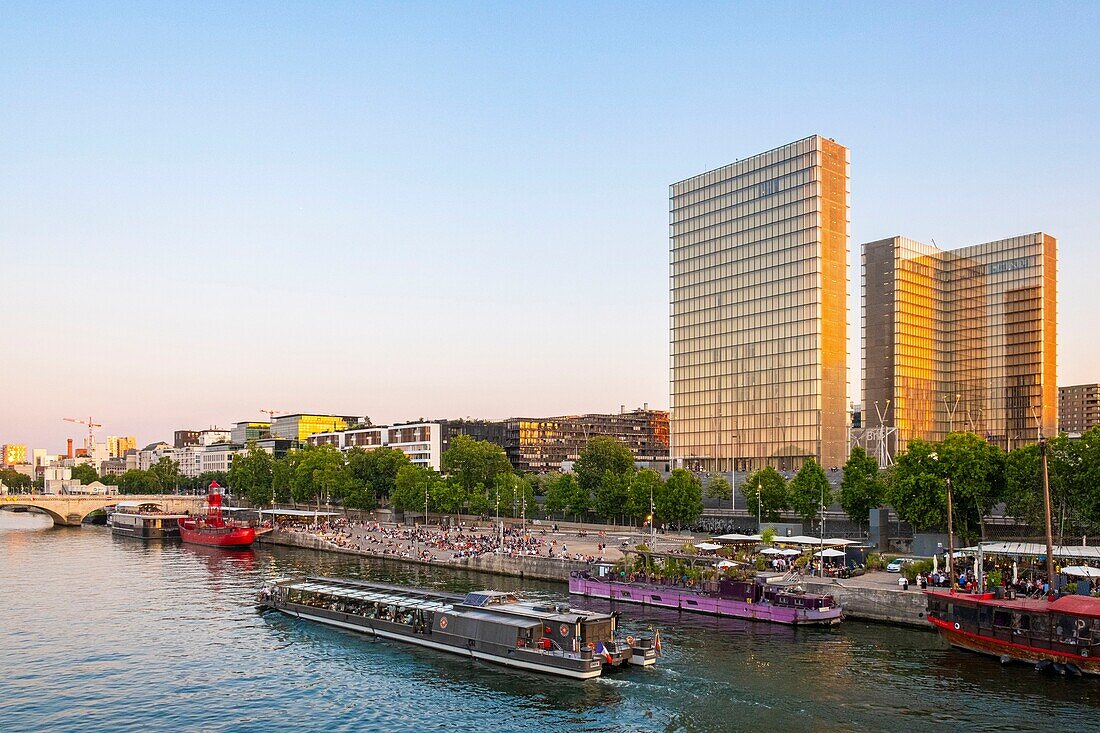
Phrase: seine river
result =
(106, 633)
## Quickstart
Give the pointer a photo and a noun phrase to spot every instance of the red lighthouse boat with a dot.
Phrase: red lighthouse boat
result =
(213, 529)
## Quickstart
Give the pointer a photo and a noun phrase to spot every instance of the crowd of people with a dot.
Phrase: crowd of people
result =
(429, 543)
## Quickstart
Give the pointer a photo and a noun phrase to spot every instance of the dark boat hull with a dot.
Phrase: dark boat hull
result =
(494, 653)
(958, 637)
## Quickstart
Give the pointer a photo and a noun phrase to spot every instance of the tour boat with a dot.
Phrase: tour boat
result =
(1063, 634)
(145, 520)
(213, 529)
(753, 599)
(488, 625)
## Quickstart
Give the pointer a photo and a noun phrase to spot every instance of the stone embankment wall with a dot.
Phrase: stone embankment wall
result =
(536, 568)
(904, 607)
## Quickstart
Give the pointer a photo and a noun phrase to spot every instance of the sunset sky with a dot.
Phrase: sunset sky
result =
(447, 210)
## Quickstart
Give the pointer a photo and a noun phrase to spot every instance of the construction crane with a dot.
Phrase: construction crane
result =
(272, 413)
(92, 425)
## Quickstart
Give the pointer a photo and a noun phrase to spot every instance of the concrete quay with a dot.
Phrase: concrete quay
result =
(526, 566)
(874, 596)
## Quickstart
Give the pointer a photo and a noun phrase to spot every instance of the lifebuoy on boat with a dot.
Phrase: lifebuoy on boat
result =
(630, 640)
(957, 627)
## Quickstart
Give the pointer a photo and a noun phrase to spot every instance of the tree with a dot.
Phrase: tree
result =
(861, 489)
(471, 462)
(917, 491)
(377, 468)
(718, 487)
(448, 497)
(766, 491)
(808, 490)
(558, 491)
(612, 494)
(645, 486)
(167, 474)
(252, 475)
(84, 473)
(411, 486)
(15, 480)
(976, 470)
(139, 482)
(599, 456)
(681, 502)
(282, 476)
(321, 472)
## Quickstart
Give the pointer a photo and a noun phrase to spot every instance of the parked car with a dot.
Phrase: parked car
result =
(897, 564)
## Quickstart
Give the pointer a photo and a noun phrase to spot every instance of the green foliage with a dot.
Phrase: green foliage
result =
(84, 473)
(768, 535)
(875, 562)
(139, 482)
(471, 462)
(377, 468)
(448, 497)
(862, 488)
(252, 475)
(320, 474)
(918, 491)
(612, 494)
(411, 485)
(808, 490)
(511, 494)
(913, 569)
(15, 480)
(644, 484)
(601, 455)
(557, 495)
(718, 487)
(681, 501)
(167, 474)
(766, 489)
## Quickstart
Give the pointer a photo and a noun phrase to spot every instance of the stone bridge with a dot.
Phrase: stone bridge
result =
(70, 509)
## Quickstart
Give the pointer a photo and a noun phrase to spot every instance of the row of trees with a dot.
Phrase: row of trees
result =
(768, 494)
(476, 478)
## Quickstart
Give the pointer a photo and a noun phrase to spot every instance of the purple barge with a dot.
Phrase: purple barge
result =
(754, 599)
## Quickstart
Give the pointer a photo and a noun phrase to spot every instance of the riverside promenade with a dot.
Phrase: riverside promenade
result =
(546, 553)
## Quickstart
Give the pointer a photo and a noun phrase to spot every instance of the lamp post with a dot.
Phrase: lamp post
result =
(759, 504)
(733, 474)
(950, 539)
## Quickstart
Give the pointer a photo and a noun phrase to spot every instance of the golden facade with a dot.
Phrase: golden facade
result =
(758, 287)
(960, 340)
(300, 427)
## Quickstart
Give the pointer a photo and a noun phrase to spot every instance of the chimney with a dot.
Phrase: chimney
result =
(645, 406)
(622, 409)
(69, 449)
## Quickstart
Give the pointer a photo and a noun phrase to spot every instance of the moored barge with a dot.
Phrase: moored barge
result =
(754, 599)
(487, 625)
(1063, 634)
(145, 520)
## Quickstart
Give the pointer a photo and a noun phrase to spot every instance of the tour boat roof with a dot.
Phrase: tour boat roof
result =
(341, 589)
(135, 504)
(1072, 605)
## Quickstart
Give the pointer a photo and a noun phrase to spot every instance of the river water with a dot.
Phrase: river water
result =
(108, 633)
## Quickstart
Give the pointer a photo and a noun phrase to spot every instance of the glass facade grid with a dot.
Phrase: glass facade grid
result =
(758, 282)
(961, 340)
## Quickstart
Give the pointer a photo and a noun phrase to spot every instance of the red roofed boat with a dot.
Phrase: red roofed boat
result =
(213, 529)
(1063, 633)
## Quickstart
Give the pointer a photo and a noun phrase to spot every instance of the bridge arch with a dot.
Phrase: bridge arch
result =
(58, 520)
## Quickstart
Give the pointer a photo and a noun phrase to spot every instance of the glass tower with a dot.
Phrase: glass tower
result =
(758, 281)
(960, 340)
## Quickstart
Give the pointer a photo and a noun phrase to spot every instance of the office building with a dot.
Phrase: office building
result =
(13, 454)
(758, 287)
(422, 442)
(299, 427)
(537, 445)
(118, 445)
(960, 340)
(184, 438)
(1078, 408)
(249, 431)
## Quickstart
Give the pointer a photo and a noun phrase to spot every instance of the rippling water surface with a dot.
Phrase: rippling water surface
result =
(106, 633)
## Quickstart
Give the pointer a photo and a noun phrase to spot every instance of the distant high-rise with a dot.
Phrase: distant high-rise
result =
(1078, 408)
(758, 287)
(961, 340)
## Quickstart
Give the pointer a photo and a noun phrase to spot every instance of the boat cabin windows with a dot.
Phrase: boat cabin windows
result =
(484, 598)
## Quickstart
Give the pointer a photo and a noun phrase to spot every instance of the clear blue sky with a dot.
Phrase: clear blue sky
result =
(440, 210)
